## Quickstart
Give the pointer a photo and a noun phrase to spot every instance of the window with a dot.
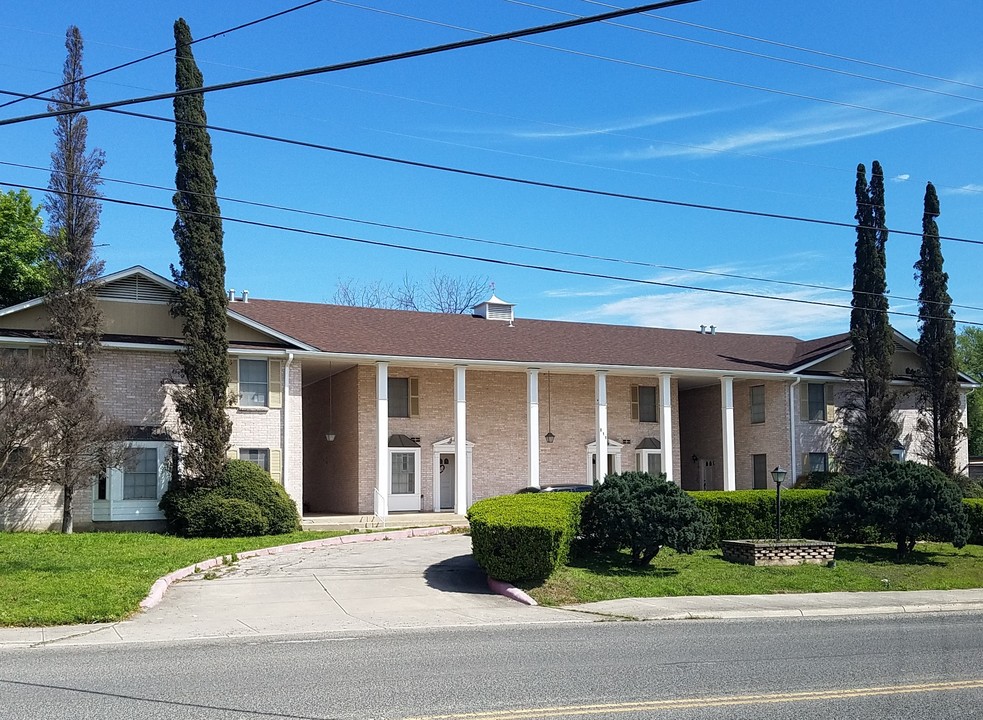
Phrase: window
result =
(404, 397)
(257, 456)
(898, 452)
(818, 462)
(403, 479)
(817, 402)
(759, 465)
(644, 403)
(140, 474)
(254, 383)
(757, 403)
(648, 456)
(611, 467)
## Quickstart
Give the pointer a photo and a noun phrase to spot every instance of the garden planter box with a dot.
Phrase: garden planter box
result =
(786, 552)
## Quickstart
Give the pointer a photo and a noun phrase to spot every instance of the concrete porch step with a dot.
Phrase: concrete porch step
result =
(371, 522)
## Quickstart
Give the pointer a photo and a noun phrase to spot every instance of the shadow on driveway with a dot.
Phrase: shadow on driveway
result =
(460, 574)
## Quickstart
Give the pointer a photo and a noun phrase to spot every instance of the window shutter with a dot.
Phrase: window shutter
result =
(804, 469)
(634, 402)
(414, 389)
(232, 453)
(274, 374)
(233, 399)
(804, 402)
(276, 465)
(830, 405)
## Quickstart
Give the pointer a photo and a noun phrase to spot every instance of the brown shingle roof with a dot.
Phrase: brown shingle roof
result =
(400, 333)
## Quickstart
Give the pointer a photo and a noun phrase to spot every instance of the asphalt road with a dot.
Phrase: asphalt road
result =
(898, 667)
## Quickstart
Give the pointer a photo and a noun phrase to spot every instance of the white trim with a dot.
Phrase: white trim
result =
(114, 507)
(410, 502)
(792, 418)
(665, 427)
(614, 450)
(532, 406)
(601, 425)
(462, 495)
(285, 425)
(727, 422)
(642, 456)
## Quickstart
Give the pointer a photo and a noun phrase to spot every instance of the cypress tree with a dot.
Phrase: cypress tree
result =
(868, 411)
(200, 299)
(938, 380)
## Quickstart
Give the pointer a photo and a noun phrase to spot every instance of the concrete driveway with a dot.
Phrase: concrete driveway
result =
(354, 588)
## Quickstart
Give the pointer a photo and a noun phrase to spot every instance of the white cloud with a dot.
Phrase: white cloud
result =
(903, 177)
(688, 309)
(970, 189)
(563, 131)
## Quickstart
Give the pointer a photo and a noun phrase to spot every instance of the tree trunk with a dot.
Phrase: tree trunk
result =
(67, 522)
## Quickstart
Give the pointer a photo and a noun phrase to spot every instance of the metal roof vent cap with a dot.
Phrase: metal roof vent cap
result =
(494, 308)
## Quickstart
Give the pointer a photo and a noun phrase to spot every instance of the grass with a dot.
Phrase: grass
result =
(609, 576)
(52, 579)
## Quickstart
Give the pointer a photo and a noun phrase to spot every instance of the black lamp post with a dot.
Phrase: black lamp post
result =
(778, 475)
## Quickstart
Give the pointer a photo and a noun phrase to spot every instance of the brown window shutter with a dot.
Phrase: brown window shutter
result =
(804, 401)
(414, 389)
(634, 402)
(830, 405)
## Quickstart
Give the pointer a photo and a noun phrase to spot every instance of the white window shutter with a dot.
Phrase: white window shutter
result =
(634, 402)
(233, 399)
(276, 465)
(275, 373)
(232, 453)
(830, 404)
(414, 389)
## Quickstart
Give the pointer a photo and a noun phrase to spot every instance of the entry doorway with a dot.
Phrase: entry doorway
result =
(445, 475)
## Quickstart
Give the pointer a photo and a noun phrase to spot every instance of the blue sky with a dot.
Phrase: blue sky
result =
(684, 107)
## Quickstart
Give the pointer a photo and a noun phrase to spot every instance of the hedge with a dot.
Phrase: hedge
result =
(974, 513)
(750, 514)
(525, 537)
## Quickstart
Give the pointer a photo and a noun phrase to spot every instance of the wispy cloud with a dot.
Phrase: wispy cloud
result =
(563, 131)
(819, 125)
(970, 189)
(903, 177)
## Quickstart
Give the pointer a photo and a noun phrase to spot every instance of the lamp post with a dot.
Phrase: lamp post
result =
(778, 475)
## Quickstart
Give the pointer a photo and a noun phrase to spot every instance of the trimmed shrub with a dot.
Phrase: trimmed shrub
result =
(524, 537)
(750, 514)
(247, 481)
(820, 481)
(974, 515)
(188, 511)
(904, 501)
(215, 516)
(642, 513)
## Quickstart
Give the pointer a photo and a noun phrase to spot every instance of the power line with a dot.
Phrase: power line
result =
(495, 243)
(749, 53)
(492, 261)
(528, 182)
(37, 95)
(365, 62)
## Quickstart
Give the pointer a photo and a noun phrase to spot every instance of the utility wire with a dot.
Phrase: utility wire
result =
(494, 243)
(534, 183)
(365, 62)
(475, 258)
(38, 94)
(749, 53)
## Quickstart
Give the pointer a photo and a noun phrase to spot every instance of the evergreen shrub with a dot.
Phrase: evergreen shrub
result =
(215, 516)
(524, 537)
(750, 514)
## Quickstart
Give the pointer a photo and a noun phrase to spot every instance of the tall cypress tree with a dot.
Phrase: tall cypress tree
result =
(868, 412)
(938, 379)
(200, 299)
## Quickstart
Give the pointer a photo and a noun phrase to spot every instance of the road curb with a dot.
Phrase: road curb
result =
(510, 591)
(160, 586)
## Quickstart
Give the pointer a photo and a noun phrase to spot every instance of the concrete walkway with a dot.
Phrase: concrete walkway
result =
(421, 582)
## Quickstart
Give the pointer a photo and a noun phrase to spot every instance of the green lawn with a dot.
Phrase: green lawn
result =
(608, 576)
(51, 579)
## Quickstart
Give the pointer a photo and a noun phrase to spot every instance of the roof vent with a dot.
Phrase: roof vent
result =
(495, 308)
(135, 288)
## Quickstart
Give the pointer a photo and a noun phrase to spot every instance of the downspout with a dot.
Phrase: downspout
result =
(791, 429)
(285, 421)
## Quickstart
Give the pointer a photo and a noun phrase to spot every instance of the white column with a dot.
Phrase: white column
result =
(727, 417)
(460, 442)
(601, 424)
(381, 496)
(665, 427)
(532, 392)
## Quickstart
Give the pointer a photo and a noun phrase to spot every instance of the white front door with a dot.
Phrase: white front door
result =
(447, 481)
(404, 481)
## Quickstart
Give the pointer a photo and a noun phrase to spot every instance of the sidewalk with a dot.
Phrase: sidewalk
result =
(424, 582)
